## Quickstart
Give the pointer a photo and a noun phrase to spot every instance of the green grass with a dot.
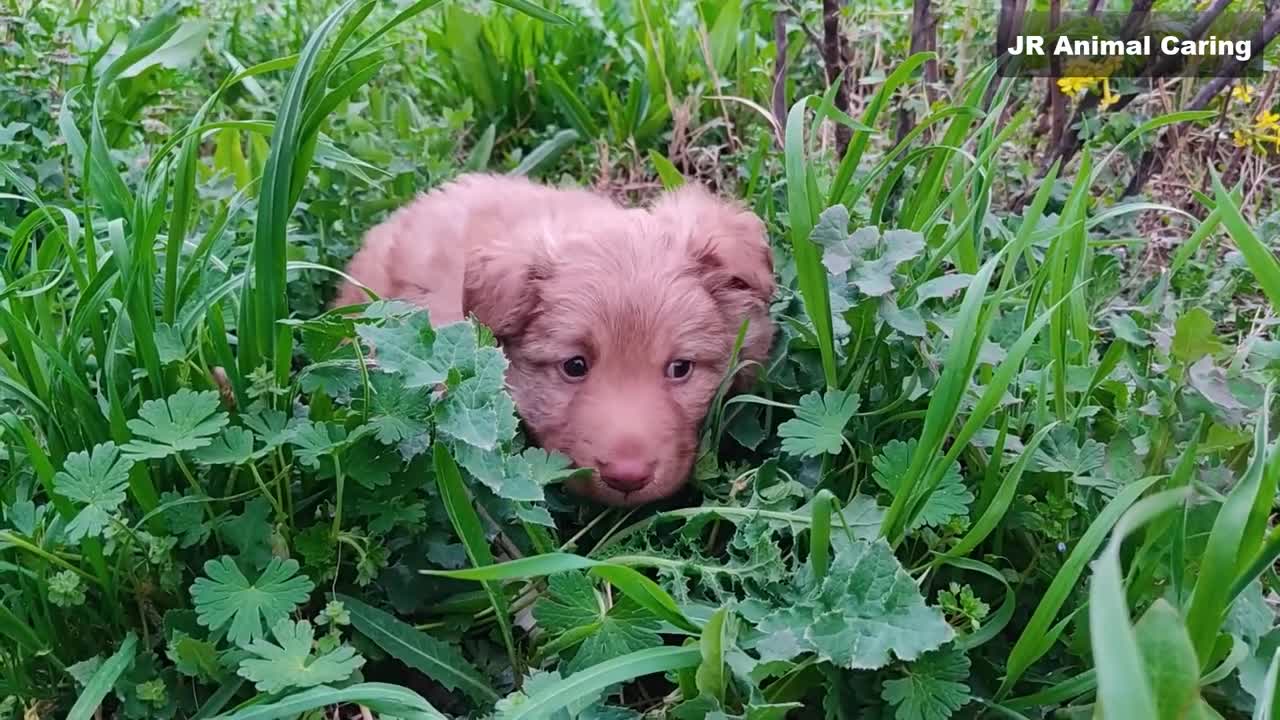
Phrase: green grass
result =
(996, 466)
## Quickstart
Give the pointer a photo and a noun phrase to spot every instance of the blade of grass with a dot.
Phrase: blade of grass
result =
(1233, 543)
(458, 505)
(1030, 645)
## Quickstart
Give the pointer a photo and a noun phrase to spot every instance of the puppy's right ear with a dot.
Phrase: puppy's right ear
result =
(503, 287)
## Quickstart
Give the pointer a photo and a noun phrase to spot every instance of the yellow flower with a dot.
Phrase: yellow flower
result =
(1108, 98)
(1267, 120)
(1242, 93)
(1076, 85)
(1240, 138)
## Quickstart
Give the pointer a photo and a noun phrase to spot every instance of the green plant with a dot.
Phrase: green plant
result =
(985, 443)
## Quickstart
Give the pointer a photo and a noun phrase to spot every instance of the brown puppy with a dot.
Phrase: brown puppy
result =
(619, 323)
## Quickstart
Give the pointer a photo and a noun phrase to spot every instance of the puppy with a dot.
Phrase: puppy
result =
(618, 323)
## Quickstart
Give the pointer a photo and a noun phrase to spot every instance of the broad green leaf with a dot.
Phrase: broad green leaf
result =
(865, 611)
(404, 346)
(194, 657)
(516, 477)
(932, 687)
(434, 658)
(863, 258)
(1124, 674)
(573, 607)
(225, 598)
(477, 413)
(1194, 337)
(819, 424)
(943, 286)
(288, 661)
(950, 499)
(186, 420)
(96, 479)
(1172, 668)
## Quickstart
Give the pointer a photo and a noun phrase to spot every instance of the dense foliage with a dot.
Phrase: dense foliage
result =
(996, 466)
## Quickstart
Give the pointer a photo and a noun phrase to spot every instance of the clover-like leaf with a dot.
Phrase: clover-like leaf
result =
(949, 499)
(233, 447)
(226, 598)
(288, 661)
(169, 343)
(313, 440)
(186, 420)
(864, 611)
(933, 687)
(271, 426)
(98, 480)
(1061, 453)
(819, 424)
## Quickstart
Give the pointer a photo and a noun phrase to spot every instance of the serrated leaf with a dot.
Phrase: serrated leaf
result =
(434, 658)
(186, 420)
(950, 499)
(1061, 453)
(226, 598)
(97, 479)
(233, 447)
(314, 440)
(396, 411)
(866, 610)
(288, 661)
(250, 532)
(271, 427)
(194, 658)
(371, 463)
(573, 606)
(331, 377)
(932, 688)
(405, 347)
(169, 344)
(516, 477)
(477, 413)
(818, 426)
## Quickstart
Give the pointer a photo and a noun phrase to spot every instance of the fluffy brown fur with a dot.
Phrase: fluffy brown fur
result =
(619, 323)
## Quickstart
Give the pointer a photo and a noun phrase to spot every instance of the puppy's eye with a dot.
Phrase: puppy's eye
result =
(575, 368)
(679, 369)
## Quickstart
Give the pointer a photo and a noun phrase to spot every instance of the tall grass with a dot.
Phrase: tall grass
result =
(978, 444)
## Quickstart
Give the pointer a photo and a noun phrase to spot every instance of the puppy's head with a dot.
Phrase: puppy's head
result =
(620, 328)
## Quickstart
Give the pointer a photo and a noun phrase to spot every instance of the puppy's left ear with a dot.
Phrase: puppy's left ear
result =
(729, 248)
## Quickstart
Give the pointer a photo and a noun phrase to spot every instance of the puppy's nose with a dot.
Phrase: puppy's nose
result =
(627, 474)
